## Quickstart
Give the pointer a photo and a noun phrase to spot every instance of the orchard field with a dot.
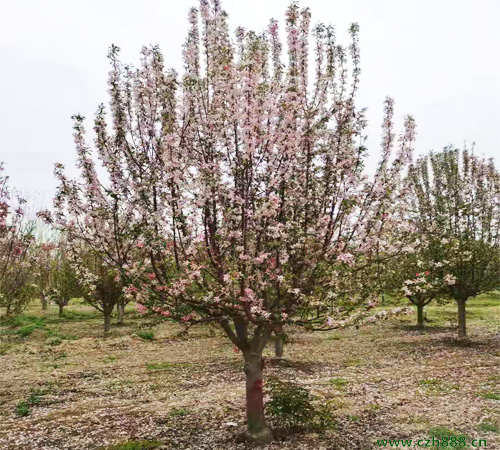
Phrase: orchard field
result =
(230, 198)
(153, 385)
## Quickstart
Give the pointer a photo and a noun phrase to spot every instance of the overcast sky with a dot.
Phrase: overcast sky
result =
(439, 60)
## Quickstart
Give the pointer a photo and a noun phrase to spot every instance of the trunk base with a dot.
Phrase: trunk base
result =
(261, 437)
(462, 318)
(278, 347)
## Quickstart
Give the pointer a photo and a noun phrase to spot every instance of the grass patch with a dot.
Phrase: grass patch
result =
(353, 362)
(441, 432)
(434, 384)
(489, 395)
(430, 382)
(22, 409)
(146, 335)
(488, 427)
(338, 382)
(166, 366)
(54, 341)
(178, 412)
(34, 398)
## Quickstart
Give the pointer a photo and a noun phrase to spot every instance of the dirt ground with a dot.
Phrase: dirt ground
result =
(80, 391)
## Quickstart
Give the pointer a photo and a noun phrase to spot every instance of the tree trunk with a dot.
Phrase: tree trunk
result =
(43, 299)
(256, 422)
(107, 322)
(420, 315)
(121, 313)
(61, 309)
(462, 330)
(279, 342)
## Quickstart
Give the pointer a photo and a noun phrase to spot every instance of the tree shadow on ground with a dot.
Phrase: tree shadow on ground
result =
(428, 329)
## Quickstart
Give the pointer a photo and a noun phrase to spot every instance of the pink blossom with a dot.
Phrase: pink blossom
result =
(141, 309)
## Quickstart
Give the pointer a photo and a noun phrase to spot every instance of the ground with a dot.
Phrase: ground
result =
(64, 387)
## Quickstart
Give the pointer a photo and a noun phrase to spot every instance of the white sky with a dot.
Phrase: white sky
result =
(439, 60)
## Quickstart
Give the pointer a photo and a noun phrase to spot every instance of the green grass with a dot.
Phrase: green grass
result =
(79, 315)
(481, 310)
(338, 382)
(26, 324)
(54, 341)
(166, 366)
(178, 412)
(34, 398)
(22, 409)
(135, 445)
(490, 395)
(441, 432)
(488, 427)
(146, 335)
(430, 382)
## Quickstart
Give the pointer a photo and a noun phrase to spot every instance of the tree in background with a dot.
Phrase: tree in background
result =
(17, 256)
(422, 289)
(102, 286)
(65, 283)
(98, 222)
(454, 203)
(45, 272)
(415, 273)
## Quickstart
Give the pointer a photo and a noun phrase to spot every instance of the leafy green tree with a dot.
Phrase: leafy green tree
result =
(454, 205)
(65, 282)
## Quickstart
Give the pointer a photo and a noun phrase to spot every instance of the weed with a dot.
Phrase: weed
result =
(22, 409)
(292, 408)
(54, 341)
(178, 412)
(146, 335)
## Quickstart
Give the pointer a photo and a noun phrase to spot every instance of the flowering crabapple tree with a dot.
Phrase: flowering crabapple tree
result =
(98, 221)
(416, 273)
(246, 183)
(17, 259)
(422, 289)
(64, 280)
(455, 206)
(102, 285)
